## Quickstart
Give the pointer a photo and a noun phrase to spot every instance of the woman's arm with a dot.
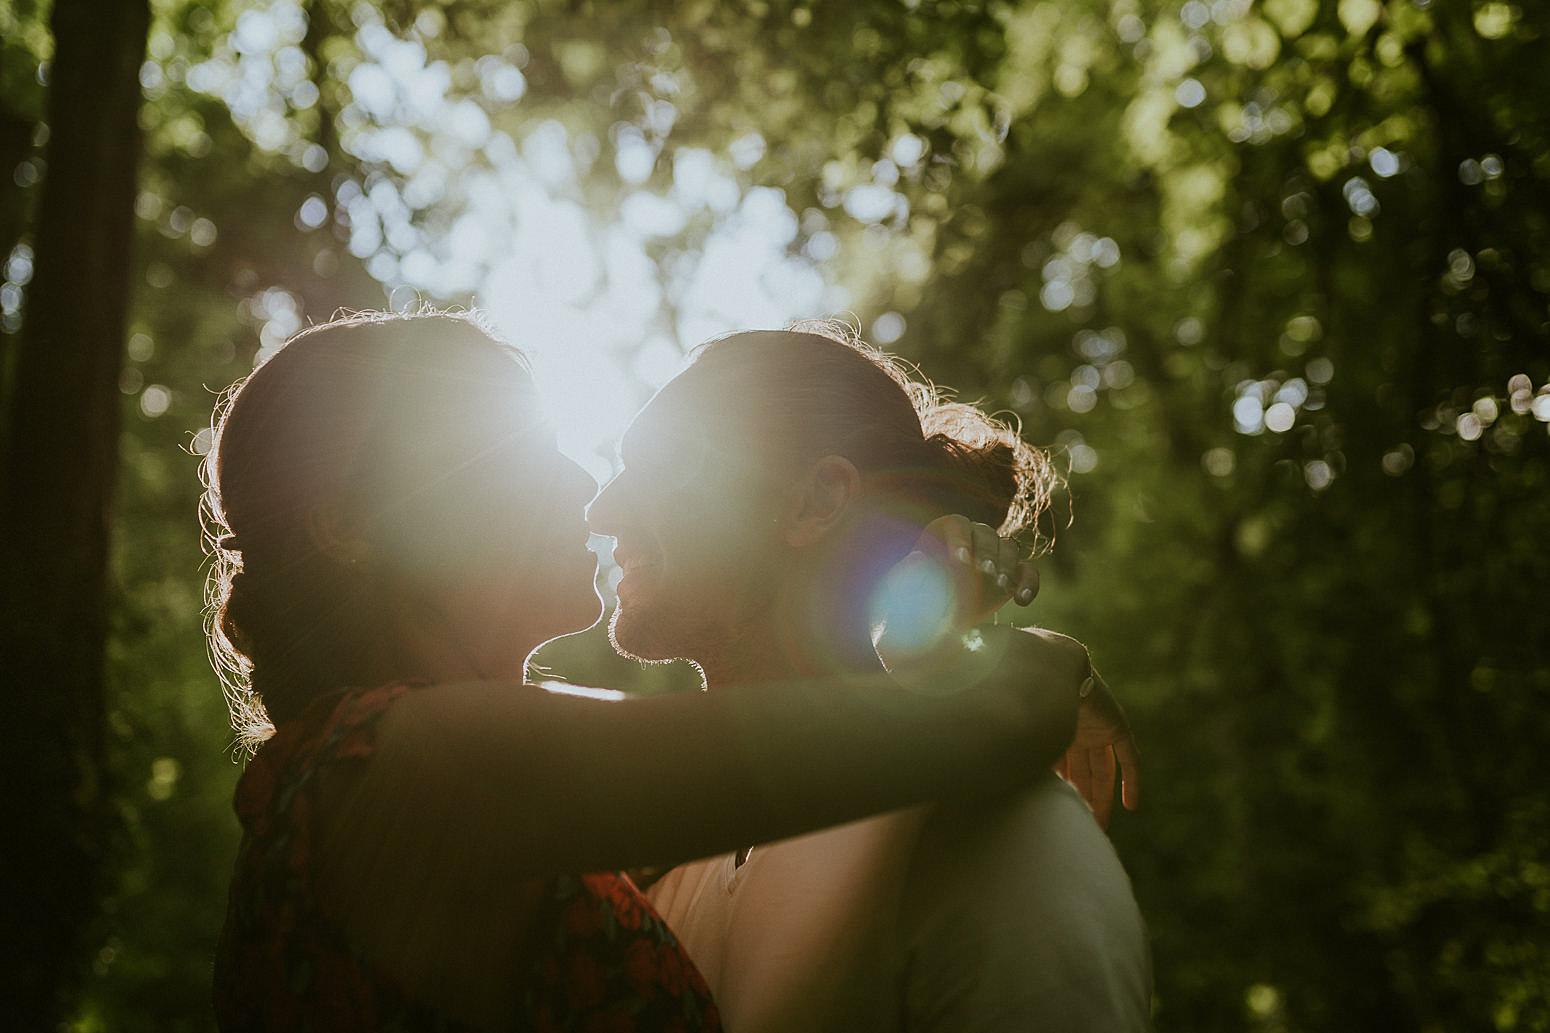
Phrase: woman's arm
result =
(548, 782)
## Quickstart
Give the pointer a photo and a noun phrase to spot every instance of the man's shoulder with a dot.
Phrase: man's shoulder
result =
(1048, 817)
(1018, 914)
(1038, 851)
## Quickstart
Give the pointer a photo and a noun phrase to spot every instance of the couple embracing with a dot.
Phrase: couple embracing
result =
(866, 829)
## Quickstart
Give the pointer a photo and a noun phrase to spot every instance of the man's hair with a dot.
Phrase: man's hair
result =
(817, 389)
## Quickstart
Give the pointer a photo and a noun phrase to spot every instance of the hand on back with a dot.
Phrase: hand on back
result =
(981, 572)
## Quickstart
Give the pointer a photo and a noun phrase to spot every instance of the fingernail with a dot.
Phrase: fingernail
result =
(987, 566)
(1002, 582)
(1025, 596)
(961, 554)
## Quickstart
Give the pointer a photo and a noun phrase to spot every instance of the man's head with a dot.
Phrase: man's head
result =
(791, 467)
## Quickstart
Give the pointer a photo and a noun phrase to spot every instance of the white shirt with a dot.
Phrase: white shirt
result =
(1006, 916)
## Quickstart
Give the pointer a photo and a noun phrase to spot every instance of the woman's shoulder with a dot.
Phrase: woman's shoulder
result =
(338, 726)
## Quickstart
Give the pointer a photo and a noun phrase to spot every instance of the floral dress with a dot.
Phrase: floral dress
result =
(608, 964)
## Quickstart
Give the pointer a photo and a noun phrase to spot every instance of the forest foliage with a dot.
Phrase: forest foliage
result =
(1272, 278)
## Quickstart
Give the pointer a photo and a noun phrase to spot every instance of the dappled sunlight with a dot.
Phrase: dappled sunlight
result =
(515, 221)
(604, 322)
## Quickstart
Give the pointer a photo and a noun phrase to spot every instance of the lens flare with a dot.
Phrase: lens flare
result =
(914, 605)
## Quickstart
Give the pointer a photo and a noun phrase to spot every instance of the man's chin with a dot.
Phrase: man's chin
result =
(635, 639)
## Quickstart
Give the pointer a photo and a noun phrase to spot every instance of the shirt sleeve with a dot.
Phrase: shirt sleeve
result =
(1017, 915)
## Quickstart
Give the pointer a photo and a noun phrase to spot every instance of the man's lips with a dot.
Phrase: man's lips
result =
(630, 561)
(634, 567)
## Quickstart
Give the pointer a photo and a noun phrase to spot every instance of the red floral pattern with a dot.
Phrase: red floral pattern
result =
(611, 964)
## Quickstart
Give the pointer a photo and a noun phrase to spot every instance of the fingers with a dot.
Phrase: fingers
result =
(988, 570)
(1027, 583)
(1008, 559)
(1126, 754)
(1000, 561)
(1129, 758)
(1104, 769)
(949, 536)
(1082, 775)
(940, 536)
(1095, 772)
(979, 546)
(987, 550)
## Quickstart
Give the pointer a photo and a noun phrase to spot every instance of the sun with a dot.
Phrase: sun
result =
(588, 400)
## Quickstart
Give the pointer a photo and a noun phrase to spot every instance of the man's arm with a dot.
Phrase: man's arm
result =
(1017, 915)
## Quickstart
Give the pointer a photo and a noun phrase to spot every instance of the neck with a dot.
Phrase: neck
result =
(439, 651)
(802, 638)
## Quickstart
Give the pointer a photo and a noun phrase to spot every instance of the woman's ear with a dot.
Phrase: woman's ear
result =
(827, 494)
(336, 535)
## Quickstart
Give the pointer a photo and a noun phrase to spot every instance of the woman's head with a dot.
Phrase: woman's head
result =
(384, 501)
(749, 418)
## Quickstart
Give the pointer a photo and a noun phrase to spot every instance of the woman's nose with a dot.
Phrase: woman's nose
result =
(603, 510)
(577, 483)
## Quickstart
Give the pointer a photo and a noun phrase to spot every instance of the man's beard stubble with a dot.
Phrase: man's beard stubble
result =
(706, 637)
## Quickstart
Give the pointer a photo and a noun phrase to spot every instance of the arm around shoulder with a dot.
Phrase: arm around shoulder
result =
(547, 782)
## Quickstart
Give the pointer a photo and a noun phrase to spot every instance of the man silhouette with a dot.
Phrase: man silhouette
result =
(766, 490)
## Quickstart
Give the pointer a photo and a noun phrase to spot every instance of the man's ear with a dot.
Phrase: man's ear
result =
(827, 494)
(336, 535)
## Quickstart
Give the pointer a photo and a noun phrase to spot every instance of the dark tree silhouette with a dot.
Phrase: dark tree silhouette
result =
(59, 460)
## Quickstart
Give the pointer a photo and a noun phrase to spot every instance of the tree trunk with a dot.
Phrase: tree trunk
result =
(58, 471)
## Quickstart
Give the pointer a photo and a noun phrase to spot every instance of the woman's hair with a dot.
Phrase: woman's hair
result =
(384, 417)
(818, 389)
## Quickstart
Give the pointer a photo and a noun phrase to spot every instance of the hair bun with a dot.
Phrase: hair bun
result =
(817, 389)
(988, 472)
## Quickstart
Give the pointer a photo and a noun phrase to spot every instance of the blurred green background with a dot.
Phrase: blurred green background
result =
(1273, 279)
